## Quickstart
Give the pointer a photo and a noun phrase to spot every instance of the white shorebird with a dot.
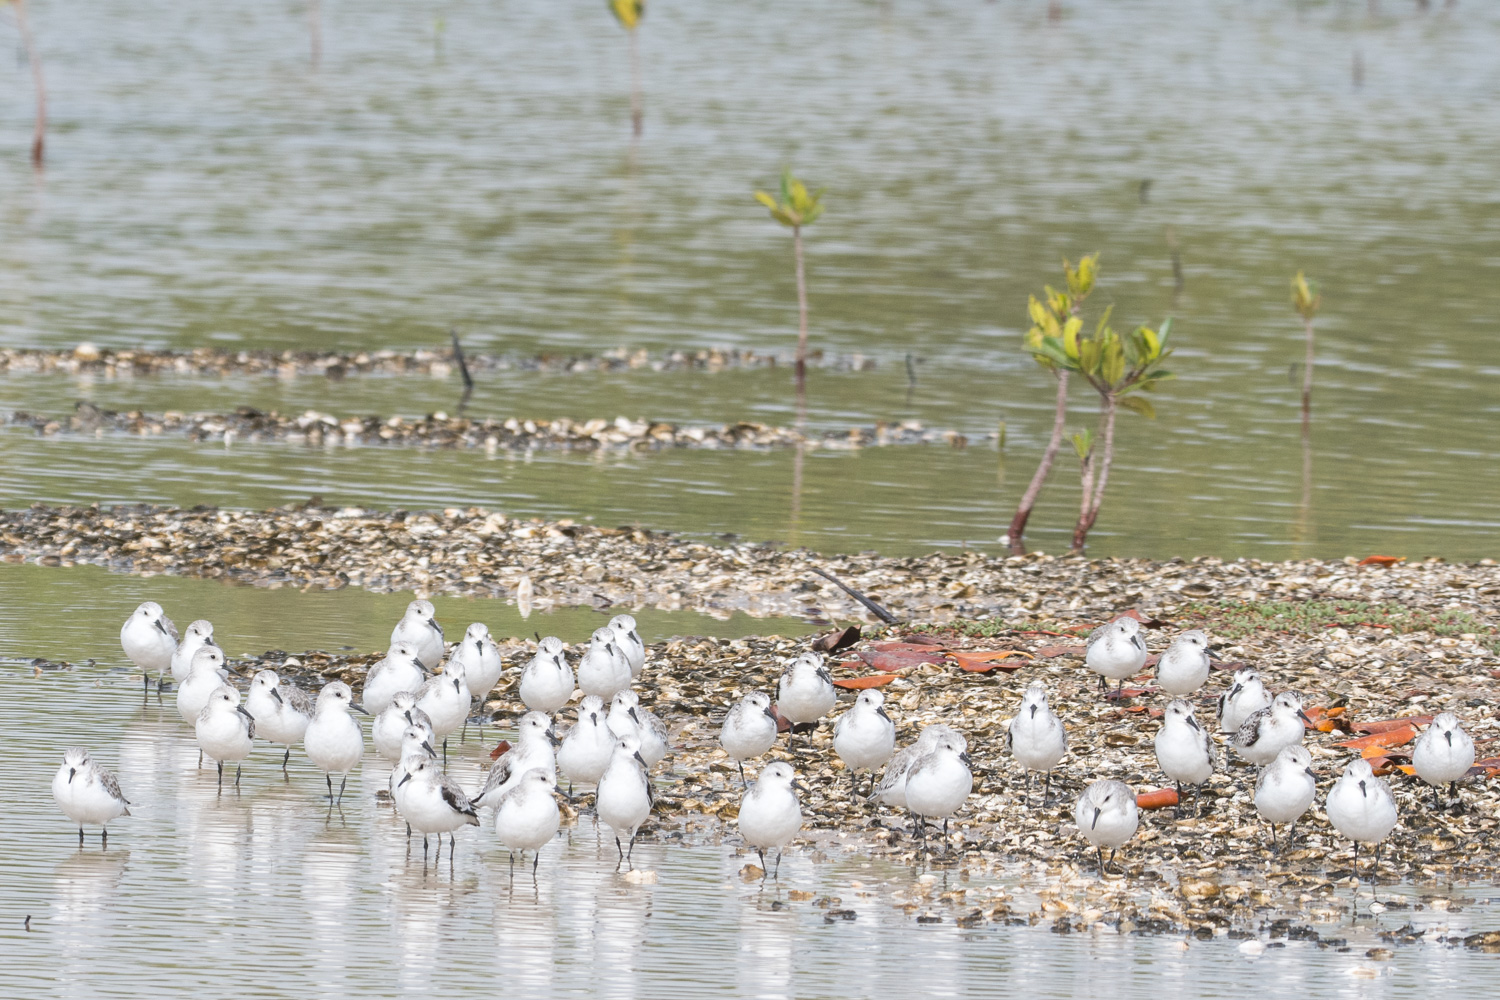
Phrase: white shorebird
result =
(629, 641)
(431, 802)
(588, 747)
(604, 669)
(624, 796)
(225, 730)
(547, 681)
(415, 742)
(864, 737)
(1245, 696)
(149, 639)
(1360, 806)
(197, 635)
(399, 670)
(1036, 737)
(420, 629)
(281, 710)
(482, 664)
(1115, 651)
(201, 682)
(1443, 755)
(749, 730)
(1183, 668)
(1286, 789)
(892, 787)
(389, 727)
(627, 715)
(1107, 816)
(526, 816)
(87, 792)
(937, 784)
(1263, 735)
(1184, 752)
(535, 750)
(770, 815)
(805, 693)
(334, 741)
(445, 698)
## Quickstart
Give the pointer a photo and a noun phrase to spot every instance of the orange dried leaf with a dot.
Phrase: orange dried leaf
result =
(981, 662)
(1387, 725)
(502, 748)
(1159, 799)
(867, 681)
(1381, 560)
(1388, 738)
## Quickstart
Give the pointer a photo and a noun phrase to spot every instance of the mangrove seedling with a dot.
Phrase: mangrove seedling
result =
(39, 133)
(1055, 318)
(1305, 299)
(797, 207)
(629, 14)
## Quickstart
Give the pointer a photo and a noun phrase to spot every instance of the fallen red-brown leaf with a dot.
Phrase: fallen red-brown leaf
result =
(867, 681)
(1161, 798)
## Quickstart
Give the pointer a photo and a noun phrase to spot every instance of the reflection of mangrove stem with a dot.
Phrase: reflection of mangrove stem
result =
(637, 105)
(39, 133)
(1307, 378)
(315, 30)
(801, 327)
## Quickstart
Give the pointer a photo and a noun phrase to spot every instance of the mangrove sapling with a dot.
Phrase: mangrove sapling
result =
(1305, 299)
(1057, 318)
(796, 208)
(39, 132)
(629, 14)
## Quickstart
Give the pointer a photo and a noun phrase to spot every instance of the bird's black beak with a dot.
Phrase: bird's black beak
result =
(965, 758)
(799, 786)
(72, 773)
(420, 665)
(162, 628)
(1095, 823)
(1363, 790)
(430, 752)
(358, 708)
(245, 712)
(1034, 709)
(552, 737)
(637, 756)
(277, 695)
(1194, 723)
(1309, 772)
(407, 776)
(1303, 716)
(436, 627)
(881, 712)
(634, 718)
(1449, 737)
(770, 714)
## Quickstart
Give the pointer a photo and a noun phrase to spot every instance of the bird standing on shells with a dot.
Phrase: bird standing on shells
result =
(225, 729)
(1036, 738)
(892, 788)
(1361, 807)
(1245, 696)
(1443, 755)
(197, 635)
(1107, 816)
(282, 711)
(88, 792)
(1285, 789)
(1183, 668)
(937, 784)
(749, 730)
(149, 639)
(1116, 651)
(334, 741)
(805, 693)
(1263, 735)
(864, 737)
(1184, 752)
(628, 715)
(604, 669)
(588, 747)
(420, 629)
(399, 670)
(630, 643)
(770, 815)
(547, 680)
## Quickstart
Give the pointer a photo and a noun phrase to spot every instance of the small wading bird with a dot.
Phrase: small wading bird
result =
(1115, 651)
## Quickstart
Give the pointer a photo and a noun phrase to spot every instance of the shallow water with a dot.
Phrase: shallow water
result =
(205, 186)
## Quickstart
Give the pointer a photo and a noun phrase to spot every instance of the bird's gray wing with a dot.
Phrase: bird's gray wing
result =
(111, 785)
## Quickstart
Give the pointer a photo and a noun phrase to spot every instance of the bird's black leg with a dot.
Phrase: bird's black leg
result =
(630, 851)
(1047, 790)
(104, 837)
(776, 875)
(329, 779)
(286, 758)
(743, 782)
(221, 776)
(80, 835)
(342, 782)
(536, 859)
(620, 860)
(1100, 852)
(1177, 809)
(236, 777)
(763, 866)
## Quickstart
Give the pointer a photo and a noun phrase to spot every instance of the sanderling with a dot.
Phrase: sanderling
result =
(1443, 754)
(1037, 738)
(588, 747)
(481, 662)
(535, 750)
(1183, 668)
(604, 670)
(389, 727)
(624, 796)
(399, 670)
(770, 815)
(225, 729)
(1263, 735)
(937, 784)
(1116, 650)
(629, 641)
(420, 629)
(149, 639)
(1184, 751)
(526, 816)
(1245, 696)
(201, 682)
(197, 635)
(627, 715)
(864, 737)
(334, 741)
(805, 692)
(445, 698)
(1360, 806)
(547, 680)
(415, 741)
(1107, 816)
(281, 709)
(1285, 789)
(892, 787)
(432, 802)
(87, 792)
(750, 729)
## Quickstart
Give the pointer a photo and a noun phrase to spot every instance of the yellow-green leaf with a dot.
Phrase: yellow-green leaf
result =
(628, 12)
(1139, 405)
